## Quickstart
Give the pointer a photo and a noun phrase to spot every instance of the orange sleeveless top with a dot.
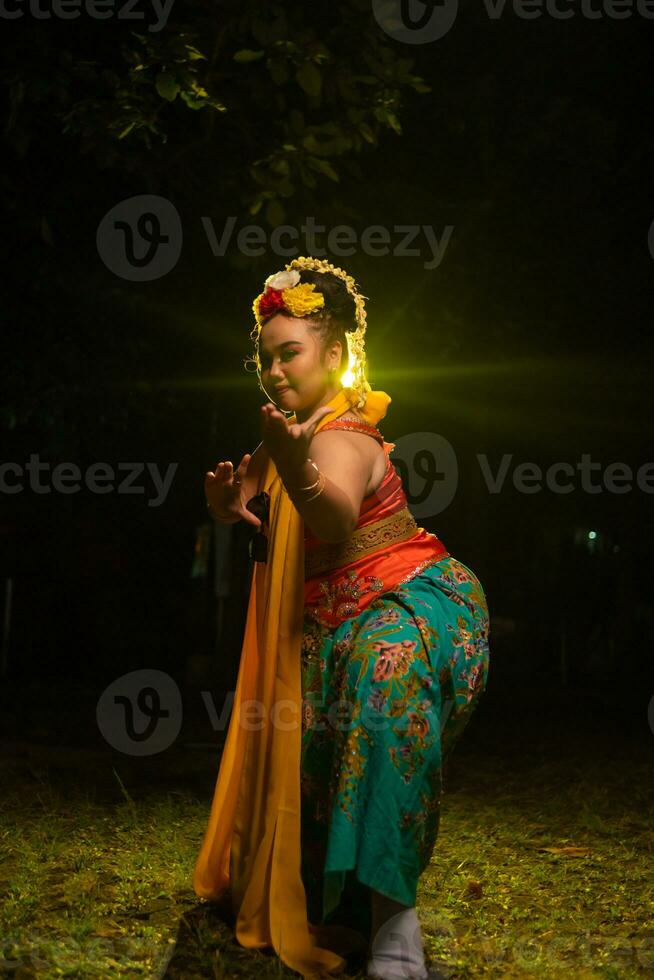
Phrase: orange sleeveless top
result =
(386, 548)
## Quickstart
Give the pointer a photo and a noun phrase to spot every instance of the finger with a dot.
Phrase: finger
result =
(277, 418)
(224, 471)
(274, 428)
(250, 516)
(251, 519)
(321, 412)
(243, 466)
(312, 423)
(230, 476)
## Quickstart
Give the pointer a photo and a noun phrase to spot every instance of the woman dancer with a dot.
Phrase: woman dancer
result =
(365, 653)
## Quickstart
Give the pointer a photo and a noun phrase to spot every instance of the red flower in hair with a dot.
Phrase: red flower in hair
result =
(270, 301)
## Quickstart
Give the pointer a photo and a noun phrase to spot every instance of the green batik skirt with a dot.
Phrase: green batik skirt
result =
(386, 695)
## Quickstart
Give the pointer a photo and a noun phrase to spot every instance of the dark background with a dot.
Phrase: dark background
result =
(531, 338)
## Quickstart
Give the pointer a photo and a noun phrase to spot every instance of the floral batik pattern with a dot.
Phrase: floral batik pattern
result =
(386, 696)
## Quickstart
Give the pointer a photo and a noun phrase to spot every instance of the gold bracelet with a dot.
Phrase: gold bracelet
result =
(309, 460)
(312, 486)
(322, 480)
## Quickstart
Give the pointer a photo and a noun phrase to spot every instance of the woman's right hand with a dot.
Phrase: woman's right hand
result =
(225, 495)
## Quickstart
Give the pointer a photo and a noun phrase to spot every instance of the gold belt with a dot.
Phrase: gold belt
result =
(363, 541)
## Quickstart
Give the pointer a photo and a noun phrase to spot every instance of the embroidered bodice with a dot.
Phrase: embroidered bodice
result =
(385, 549)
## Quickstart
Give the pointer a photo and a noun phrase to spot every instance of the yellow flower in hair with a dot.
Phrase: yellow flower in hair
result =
(303, 299)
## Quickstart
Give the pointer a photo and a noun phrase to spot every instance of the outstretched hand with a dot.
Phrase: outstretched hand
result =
(224, 491)
(288, 445)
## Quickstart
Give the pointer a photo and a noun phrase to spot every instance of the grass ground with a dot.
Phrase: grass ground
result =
(543, 866)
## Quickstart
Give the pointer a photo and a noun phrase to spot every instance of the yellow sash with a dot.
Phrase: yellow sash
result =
(251, 848)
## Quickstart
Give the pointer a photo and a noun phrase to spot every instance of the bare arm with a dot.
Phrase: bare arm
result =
(346, 460)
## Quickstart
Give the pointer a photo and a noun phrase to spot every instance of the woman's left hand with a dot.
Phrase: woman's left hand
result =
(288, 445)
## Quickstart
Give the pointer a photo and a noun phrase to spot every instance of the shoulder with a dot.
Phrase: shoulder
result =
(354, 427)
(350, 416)
(342, 431)
(341, 439)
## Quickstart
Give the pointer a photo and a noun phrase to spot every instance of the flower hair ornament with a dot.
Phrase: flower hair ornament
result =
(283, 291)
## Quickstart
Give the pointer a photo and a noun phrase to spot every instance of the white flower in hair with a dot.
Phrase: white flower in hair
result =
(283, 280)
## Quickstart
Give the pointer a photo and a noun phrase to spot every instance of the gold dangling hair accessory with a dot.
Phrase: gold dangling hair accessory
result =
(358, 381)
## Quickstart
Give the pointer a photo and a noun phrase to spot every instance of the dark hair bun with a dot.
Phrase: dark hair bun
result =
(338, 301)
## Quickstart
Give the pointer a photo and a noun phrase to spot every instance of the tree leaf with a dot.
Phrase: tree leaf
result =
(286, 188)
(275, 213)
(246, 55)
(128, 129)
(167, 86)
(310, 143)
(323, 167)
(194, 54)
(309, 78)
(192, 101)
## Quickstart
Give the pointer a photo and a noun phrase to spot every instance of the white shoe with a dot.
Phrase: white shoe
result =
(397, 951)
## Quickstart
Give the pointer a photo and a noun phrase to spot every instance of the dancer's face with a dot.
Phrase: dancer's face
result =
(290, 355)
